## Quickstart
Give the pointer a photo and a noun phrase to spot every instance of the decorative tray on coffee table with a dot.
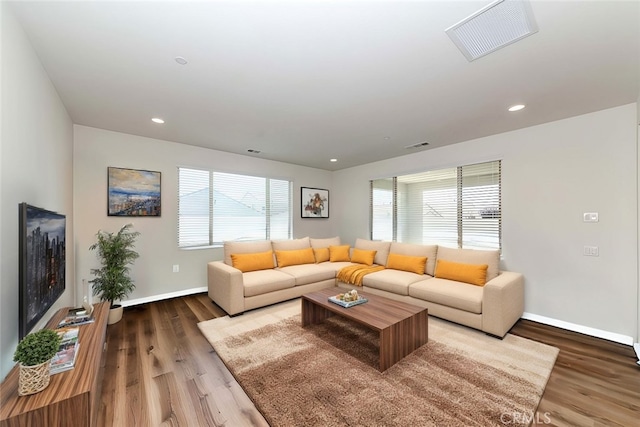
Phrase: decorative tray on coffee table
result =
(348, 300)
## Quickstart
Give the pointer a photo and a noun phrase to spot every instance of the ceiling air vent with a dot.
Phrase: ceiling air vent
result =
(418, 145)
(496, 25)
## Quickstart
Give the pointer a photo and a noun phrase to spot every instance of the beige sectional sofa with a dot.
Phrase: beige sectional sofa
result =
(492, 308)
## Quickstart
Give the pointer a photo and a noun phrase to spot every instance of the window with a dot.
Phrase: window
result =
(382, 209)
(215, 206)
(456, 207)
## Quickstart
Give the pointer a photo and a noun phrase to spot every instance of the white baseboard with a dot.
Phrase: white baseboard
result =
(598, 333)
(636, 347)
(161, 297)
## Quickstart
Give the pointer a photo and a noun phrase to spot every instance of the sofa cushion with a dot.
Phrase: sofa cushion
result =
(252, 262)
(381, 248)
(265, 281)
(473, 256)
(339, 253)
(413, 264)
(474, 274)
(361, 256)
(245, 248)
(309, 273)
(321, 254)
(462, 296)
(394, 281)
(295, 257)
(291, 244)
(336, 266)
(430, 251)
(324, 243)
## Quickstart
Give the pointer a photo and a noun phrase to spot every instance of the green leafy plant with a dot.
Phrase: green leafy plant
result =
(112, 282)
(37, 348)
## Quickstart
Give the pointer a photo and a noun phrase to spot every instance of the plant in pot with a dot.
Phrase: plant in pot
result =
(112, 282)
(34, 353)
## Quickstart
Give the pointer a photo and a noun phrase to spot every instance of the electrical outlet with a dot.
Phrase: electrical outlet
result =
(590, 217)
(590, 251)
(176, 268)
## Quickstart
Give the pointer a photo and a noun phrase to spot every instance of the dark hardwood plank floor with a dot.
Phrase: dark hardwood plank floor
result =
(594, 382)
(160, 370)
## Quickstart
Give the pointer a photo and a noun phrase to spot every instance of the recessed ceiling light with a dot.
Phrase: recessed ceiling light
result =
(333, 160)
(157, 120)
(386, 138)
(180, 60)
(516, 107)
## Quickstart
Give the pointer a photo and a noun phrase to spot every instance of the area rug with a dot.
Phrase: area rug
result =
(326, 374)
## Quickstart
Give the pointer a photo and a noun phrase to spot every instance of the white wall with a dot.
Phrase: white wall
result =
(96, 149)
(551, 174)
(36, 155)
(637, 340)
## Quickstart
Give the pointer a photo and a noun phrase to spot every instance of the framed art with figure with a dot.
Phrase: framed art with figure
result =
(315, 202)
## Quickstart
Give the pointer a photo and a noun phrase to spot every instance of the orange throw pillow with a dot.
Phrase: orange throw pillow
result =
(475, 274)
(361, 256)
(252, 262)
(412, 264)
(339, 253)
(321, 254)
(295, 257)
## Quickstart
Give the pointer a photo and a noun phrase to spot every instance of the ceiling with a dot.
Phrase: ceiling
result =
(307, 81)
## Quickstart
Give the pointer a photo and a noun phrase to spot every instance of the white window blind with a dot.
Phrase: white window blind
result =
(382, 208)
(214, 207)
(456, 207)
(429, 213)
(480, 212)
(194, 208)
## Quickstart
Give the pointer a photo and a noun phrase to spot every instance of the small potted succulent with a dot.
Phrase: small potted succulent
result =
(34, 353)
(112, 281)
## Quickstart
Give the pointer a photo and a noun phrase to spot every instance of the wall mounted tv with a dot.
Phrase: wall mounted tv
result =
(42, 263)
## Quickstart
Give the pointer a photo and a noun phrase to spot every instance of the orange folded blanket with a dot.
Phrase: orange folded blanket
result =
(354, 274)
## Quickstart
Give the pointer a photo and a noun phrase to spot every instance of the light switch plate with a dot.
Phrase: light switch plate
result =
(590, 251)
(590, 217)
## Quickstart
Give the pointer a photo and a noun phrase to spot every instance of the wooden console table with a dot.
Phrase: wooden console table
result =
(72, 397)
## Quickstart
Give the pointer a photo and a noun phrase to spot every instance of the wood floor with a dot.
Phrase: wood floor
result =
(161, 371)
(594, 382)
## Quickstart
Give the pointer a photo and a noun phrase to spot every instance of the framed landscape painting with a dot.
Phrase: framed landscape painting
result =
(133, 192)
(315, 202)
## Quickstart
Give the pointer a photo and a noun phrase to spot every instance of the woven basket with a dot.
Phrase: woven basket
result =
(33, 379)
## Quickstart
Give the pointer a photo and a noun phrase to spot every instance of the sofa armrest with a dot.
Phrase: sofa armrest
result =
(502, 303)
(226, 287)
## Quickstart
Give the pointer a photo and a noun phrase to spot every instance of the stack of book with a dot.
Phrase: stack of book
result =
(65, 358)
(76, 316)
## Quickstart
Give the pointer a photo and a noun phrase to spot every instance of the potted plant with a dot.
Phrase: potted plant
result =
(34, 353)
(112, 282)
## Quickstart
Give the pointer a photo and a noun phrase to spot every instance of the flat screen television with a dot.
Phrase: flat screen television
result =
(42, 257)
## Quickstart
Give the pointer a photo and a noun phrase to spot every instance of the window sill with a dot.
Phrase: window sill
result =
(197, 248)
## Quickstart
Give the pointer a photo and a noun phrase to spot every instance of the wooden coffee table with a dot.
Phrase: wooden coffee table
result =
(403, 327)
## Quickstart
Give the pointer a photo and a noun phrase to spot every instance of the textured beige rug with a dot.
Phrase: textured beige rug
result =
(326, 375)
